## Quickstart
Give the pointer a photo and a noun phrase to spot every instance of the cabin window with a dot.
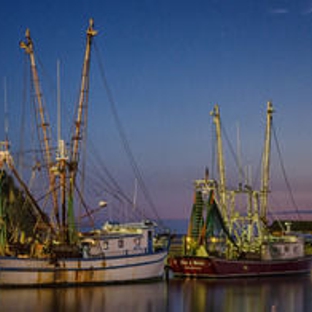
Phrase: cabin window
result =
(137, 242)
(105, 245)
(121, 243)
(275, 251)
(286, 249)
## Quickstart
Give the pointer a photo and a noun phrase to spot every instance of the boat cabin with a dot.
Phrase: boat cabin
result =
(116, 239)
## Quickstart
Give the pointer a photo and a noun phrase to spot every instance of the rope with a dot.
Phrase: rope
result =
(284, 173)
(124, 139)
(241, 172)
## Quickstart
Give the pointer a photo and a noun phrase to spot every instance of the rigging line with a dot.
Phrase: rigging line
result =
(37, 126)
(274, 215)
(258, 170)
(243, 174)
(117, 194)
(115, 189)
(124, 139)
(30, 151)
(47, 194)
(23, 106)
(284, 172)
(45, 104)
(50, 83)
(92, 212)
(236, 160)
(91, 188)
(52, 88)
(84, 205)
(110, 191)
(100, 184)
(95, 176)
(98, 192)
(99, 161)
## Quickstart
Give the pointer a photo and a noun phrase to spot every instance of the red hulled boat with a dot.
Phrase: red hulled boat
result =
(228, 234)
(213, 267)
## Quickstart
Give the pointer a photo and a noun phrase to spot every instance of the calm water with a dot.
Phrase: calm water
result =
(283, 294)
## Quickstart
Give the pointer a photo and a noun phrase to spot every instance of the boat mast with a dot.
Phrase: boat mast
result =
(222, 183)
(29, 49)
(6, 119)
(61, 158)
(83, 99)
(266, 163)
(81, 116)
(3, 153)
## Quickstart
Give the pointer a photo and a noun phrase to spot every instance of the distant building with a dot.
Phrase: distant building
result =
(304, 227)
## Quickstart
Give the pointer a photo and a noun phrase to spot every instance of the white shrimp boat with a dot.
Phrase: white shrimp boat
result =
(122, 253)
(54, 251)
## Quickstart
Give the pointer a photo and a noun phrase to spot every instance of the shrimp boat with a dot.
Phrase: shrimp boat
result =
(223, 241)
(38, 249)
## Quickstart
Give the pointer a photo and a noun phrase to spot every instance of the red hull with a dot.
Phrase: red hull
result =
(218, 268)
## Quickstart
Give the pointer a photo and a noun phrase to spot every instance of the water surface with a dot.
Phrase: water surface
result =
(284, 294)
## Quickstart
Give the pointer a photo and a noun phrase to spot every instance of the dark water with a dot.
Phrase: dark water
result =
(284, 294)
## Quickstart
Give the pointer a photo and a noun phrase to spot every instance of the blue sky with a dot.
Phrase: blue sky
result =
(167, 63)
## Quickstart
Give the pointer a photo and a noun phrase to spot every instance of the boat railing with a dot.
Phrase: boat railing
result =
(118, 253)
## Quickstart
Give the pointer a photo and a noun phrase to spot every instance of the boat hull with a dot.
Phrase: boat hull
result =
(41, 272)
(211, 267)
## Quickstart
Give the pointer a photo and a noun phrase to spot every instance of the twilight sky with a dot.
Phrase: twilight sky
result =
(167, 63)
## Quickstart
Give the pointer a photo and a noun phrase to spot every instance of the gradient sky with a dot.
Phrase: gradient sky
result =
(167, 63)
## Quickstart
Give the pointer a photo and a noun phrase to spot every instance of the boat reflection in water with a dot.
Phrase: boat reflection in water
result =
(128, 297)
(236, 295)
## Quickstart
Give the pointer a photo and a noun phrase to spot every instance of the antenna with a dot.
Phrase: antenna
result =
(58, 101)
(239, 154)
(6, 119)
(61, 152)
(135, 194)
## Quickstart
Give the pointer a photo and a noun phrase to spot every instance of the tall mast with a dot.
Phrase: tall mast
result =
(239, 156)
(83, 98)
(222, 183)
(58, 102)
(6, 119)
(78, 131)
(3, 155)
(61, 159)
(29, 49)
(266, 163)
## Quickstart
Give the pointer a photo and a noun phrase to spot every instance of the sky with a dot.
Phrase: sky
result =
(167, 63)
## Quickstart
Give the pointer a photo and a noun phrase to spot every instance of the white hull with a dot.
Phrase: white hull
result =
(39, 272)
